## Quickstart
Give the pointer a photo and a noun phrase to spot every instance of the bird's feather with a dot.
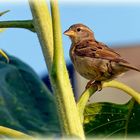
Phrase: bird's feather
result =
(94, 49)
(127, 65)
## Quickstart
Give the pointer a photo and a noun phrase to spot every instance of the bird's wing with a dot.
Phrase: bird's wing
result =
(94, 49)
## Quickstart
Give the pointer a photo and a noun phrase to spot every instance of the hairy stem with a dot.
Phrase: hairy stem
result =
(68, 113)
(43, 27)
(66, 105)
(26, 24)
(84, 98)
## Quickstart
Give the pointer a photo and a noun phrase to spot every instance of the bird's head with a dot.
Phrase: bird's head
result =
(79, 32)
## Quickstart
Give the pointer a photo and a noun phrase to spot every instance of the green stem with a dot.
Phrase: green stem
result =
(68, 113)
(13, 133)
(26, 24)
(4, 12)
(125, 88)
(59, 77)
(84, 98)
(43, 27)
(89, 92)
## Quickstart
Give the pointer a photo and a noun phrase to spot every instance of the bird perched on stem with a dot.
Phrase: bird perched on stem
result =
(94, 60)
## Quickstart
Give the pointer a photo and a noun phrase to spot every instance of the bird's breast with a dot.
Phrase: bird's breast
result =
(84, 65)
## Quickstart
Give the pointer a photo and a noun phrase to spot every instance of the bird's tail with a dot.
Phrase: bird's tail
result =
(127, 65)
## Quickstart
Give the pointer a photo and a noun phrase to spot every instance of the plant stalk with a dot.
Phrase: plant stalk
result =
(43, 26)
(68, 113)
(26, 24)
(125, 88)
(83, 99)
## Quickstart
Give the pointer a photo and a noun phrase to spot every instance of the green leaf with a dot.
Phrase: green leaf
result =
(25, 102)
(105, 120)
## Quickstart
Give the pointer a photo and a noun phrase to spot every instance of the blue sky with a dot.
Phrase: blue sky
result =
(112, 23)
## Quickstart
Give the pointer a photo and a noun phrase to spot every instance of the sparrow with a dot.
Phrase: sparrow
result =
(94, 60)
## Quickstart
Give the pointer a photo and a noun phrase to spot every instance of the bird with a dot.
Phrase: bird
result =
(92, 59)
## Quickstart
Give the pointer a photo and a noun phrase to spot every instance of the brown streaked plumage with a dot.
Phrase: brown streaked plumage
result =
(92, 59)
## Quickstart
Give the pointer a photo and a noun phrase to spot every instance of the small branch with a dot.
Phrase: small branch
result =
(13, 133)
(123, 87)
(26, 24)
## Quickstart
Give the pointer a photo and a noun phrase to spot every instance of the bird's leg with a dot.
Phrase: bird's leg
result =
(94, 83)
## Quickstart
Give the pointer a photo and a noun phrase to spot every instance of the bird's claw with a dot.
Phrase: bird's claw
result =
(99, 85)
(94, 83)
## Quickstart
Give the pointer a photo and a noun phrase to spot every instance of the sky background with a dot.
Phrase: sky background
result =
(113, 23)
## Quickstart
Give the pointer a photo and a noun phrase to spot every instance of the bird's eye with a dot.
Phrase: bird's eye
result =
(78, 29)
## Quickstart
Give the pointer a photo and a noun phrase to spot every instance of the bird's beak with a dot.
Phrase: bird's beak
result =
(69, 33)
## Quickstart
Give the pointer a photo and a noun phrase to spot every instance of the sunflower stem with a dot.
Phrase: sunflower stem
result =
(68, 113)
(43, 27)
(54, 57)
(84, 98)
(123, 87)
